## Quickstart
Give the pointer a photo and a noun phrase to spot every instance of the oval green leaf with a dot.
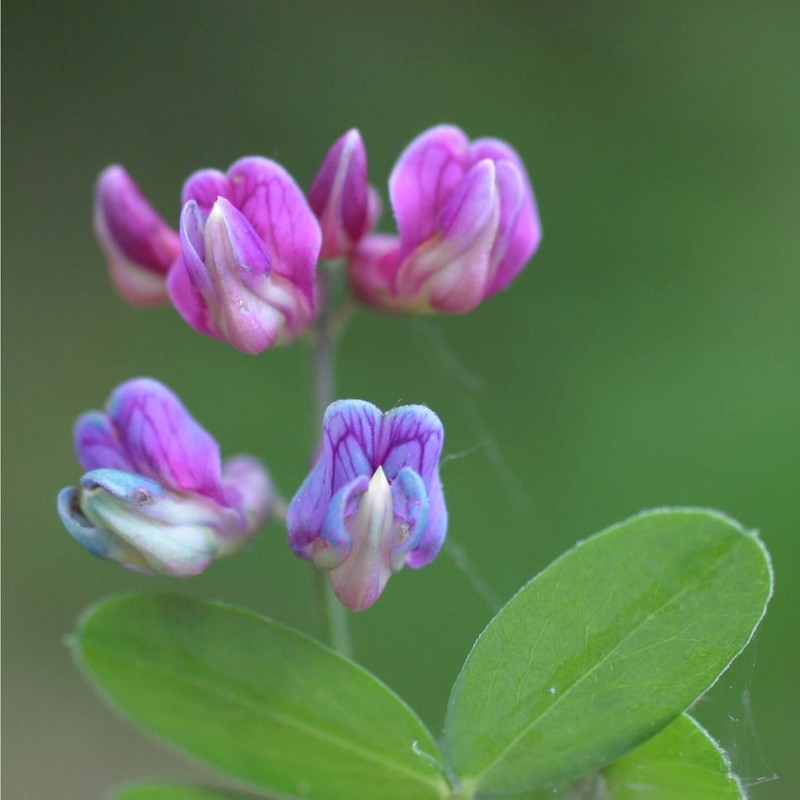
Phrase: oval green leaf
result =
(257, 700)
(604, 648)
(681, 761)
(174, 791)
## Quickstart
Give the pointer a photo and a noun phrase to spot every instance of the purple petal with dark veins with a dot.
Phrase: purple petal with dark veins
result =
(275, 206)
(410, 436)
(163, 441)
(349, 431)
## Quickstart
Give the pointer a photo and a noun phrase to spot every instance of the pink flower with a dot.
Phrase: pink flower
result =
(467, 221)
(249, 249)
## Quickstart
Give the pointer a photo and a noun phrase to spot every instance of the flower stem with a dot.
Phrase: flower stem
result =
(332, 612)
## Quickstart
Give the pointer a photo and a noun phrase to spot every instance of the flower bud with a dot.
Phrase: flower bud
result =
(139, 245)
(346, 206)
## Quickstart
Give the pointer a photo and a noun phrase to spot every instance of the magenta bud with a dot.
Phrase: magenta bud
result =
(345, 205)
(139, 245)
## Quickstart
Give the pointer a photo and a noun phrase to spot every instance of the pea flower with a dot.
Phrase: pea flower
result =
(373, 501)
(249, 249)
(467, 221)
(139, 246)
(156, 497)
(345, 204)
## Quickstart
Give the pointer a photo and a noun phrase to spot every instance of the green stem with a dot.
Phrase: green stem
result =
(332, 612)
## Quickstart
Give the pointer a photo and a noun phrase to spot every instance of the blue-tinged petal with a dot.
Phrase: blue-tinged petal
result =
(162, 439)
(410, 436)
(157, 531)
(97, 541)
(436, 529)
(410, 502)
(335, 542)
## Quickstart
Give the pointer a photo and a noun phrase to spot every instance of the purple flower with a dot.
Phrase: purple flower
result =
(139, 245)
(156, 497)
(467, 220)
(249, 248)
(373, 501)
(346, 206)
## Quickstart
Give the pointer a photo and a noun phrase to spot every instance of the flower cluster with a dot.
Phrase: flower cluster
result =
(242, 267)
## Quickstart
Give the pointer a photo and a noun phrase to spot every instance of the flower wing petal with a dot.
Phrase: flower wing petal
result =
(276, 207)
(410, 436)
(162, 439)
(424, 177)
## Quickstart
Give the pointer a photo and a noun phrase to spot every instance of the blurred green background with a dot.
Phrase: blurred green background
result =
(648, 355)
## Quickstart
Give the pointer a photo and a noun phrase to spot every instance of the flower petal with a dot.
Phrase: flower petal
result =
(425, 176)
(97, 443)
(335, 542)
(450, 271)
(349, 432)
(361, 577)
(247, 488)
(139, 246)
(526, 232)
(188, 302)
(432, 539)
(410, 503)
(372, 268)
(97, 541)
(410, 436)
(339, 195)
(155, 531)
(204, 187)
(277, 209)
(162, 440)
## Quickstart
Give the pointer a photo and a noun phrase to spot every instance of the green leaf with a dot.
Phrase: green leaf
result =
(257, 700)
(173, 791)
(604, 648)
(682, 761)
